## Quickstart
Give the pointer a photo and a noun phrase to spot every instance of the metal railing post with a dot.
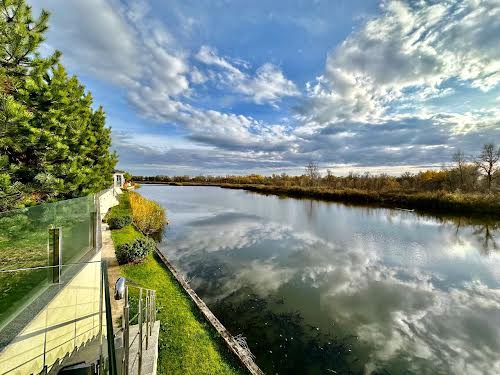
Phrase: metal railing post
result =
(101, 308)
(154, 309)
(151, 321)
(109, 323)
(126, 333)
(146, 313)
(93, 230)
(139, 366)
(55, 245)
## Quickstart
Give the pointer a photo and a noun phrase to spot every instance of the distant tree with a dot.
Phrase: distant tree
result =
(128, 176)
(487, 162)
(461, 161)
(312, 172)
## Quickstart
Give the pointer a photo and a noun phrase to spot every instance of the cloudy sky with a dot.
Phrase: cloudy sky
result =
(220, 86)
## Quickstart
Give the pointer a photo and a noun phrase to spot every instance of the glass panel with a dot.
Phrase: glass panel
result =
(24, 243)
(74, 216)
(23, 236)
(61, 318)
(18, 289)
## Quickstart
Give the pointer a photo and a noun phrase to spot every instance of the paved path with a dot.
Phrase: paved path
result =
(108, 254)
(149, 356)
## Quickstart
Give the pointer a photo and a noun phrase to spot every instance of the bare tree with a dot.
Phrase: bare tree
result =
(487, 162)
(461, 161)
(312, 171)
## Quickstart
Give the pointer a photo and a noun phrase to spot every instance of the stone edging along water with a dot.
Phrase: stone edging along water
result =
(241, 353)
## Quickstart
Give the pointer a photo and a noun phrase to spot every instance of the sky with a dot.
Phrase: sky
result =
(233, 87)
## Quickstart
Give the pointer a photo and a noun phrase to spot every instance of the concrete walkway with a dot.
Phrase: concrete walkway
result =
(149, 356)
(108, 254)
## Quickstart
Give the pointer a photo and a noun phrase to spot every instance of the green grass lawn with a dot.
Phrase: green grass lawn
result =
(124, 235)
(187, 344)
(123, 208)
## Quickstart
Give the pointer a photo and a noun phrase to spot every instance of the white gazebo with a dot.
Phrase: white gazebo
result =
(118, 179)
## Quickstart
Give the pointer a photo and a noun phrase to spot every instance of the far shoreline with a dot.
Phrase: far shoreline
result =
(479, 206)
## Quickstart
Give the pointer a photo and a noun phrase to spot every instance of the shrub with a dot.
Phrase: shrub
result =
(118, 222)
(134, 251)
(148, 216)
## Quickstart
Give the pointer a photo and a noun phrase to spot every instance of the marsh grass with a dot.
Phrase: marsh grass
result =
(149, 216)
(487, 204)
(437, 201)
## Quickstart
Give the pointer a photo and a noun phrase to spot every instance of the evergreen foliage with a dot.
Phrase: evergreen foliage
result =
(135, 251)
(53, 144)
(118, 222)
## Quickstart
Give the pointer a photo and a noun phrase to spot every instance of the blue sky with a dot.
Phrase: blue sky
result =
(217, 87)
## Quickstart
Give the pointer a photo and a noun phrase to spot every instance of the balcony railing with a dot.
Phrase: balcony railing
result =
(69, 321)
(40, 237)
(55, 305)
(136, 330)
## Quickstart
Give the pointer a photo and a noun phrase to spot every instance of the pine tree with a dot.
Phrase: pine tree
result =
(52, 143)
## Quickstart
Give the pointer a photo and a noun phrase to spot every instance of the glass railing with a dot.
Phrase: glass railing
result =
(28, 241)
(69, 323)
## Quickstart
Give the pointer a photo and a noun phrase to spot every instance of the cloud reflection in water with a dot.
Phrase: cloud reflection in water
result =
(420, 305)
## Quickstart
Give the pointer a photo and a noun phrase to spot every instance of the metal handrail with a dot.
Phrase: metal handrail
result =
(109, 323)
(146, 316)
(47, 267)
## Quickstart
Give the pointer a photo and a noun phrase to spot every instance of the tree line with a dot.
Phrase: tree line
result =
(53, 143)
(476, 174)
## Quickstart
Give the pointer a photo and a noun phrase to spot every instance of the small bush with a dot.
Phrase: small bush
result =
(134, 251)
(118, 222)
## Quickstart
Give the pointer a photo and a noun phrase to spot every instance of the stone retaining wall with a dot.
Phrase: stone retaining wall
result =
(241, 353)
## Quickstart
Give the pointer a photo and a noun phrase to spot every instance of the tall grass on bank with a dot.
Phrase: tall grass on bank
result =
(434, 201)
(149, 217)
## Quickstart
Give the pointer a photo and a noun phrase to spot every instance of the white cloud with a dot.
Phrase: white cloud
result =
(209, 56)
(410, 47)
(197, 77)
(116, 42)
(230, 131)
(384, 74)
(124, 44)
(89, 27)
(268, 85)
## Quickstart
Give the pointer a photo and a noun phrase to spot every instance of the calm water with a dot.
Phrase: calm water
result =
(325, 288)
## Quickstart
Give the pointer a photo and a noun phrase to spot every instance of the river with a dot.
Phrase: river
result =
(327, 288)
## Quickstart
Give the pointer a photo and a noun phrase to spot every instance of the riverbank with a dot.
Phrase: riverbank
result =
(448, 203)
(188, 344)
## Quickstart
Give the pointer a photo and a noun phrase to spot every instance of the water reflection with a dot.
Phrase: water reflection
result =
(326, 288)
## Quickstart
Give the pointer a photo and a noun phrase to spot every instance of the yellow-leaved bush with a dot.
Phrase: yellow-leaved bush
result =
(149, 217)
